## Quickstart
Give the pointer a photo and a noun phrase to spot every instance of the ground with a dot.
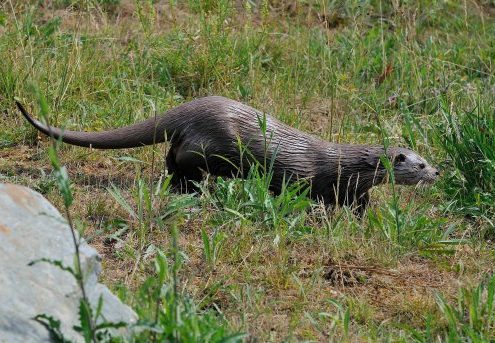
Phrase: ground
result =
(280, 270)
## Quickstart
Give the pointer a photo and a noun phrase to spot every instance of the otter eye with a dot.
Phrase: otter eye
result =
(422, 166)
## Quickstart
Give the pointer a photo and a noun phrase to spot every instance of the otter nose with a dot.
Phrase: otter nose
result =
(437, 172)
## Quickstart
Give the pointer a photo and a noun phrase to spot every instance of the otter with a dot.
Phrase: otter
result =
(210, 133)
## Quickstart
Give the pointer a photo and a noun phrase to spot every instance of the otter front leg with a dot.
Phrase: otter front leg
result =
(362, 203)
(183, 176)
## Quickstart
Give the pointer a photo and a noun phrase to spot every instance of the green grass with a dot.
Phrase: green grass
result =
(417, 74)
(468, 140)
(471, 319)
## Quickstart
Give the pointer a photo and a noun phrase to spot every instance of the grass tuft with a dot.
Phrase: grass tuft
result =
(468, 139)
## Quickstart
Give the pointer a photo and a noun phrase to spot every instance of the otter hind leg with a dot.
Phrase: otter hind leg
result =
(183, 179)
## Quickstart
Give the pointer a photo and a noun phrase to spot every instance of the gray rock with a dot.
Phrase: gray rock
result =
(30, 229)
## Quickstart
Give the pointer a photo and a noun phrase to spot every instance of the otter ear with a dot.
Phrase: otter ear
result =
(399, 158)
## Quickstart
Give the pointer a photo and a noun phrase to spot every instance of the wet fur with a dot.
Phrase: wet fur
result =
(205, 133)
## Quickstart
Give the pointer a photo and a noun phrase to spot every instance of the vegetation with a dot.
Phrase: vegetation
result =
(235, 259)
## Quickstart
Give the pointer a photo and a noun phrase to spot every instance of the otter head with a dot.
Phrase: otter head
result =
(410, 168)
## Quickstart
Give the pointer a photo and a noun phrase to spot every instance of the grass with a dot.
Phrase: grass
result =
(472, 318)
(467, 141)
(280, 268)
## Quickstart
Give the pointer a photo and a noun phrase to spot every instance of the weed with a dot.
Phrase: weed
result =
(165, 314)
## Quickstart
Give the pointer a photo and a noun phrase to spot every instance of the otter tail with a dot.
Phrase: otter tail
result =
(148, 132)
